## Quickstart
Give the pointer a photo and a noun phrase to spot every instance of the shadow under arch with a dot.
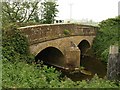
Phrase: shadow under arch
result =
(51, 55)
(84, 45)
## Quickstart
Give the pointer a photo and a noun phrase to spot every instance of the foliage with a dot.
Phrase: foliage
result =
(28, 12)
(37, 76)
(66, 32)
(81, 33)
(49, 12)
(19, 11)
(0, 74)
(14, 45)
(23, 75)
(96, 82)
(106, 36)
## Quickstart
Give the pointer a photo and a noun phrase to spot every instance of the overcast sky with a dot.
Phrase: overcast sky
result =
(97, 10)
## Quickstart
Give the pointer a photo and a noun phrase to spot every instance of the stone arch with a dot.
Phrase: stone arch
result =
(51, 55)
(84, 45)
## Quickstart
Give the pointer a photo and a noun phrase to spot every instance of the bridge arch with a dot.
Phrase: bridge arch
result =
(51, 55)
(84, 46)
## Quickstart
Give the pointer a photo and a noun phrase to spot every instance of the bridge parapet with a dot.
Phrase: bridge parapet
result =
(45, 32)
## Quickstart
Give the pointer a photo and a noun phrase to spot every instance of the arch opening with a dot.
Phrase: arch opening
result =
(51, 55)
(84, 46)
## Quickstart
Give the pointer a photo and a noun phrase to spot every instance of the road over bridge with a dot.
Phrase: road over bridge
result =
(60, 44)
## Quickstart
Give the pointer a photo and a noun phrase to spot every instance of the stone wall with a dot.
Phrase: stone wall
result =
(113, 66)
(41, 33)
(60, 43)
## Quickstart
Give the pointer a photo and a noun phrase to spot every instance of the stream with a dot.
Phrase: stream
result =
(89, 67)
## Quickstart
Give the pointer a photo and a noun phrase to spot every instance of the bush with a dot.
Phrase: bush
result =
(15, 40)
(66, 32)
(106, 36)
(14, 45)
(23, 75)
(101, 83)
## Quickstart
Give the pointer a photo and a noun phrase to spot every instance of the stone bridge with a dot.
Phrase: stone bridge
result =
(60, 44)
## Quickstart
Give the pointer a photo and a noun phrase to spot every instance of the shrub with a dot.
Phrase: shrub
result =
(66, 32)
(14, 45)
(101, 83)
(95, 82)
(106, 36)
(23, 75)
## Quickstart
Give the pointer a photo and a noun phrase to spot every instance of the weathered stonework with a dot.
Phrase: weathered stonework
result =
(113, 66)
(52, 35)
(41, 33)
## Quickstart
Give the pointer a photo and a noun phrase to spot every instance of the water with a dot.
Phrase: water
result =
(94, 65)
(89, 67)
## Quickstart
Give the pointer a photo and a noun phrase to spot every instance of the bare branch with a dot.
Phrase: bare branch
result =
(24, 17)
(32, 11)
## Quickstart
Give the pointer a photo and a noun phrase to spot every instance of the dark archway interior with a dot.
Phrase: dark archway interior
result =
(87, 61)
(84, 46)
(51, 55)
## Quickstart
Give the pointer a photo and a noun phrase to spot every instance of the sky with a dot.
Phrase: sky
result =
(96, 10)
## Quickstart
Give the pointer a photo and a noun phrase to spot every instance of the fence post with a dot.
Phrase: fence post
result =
(113, 67)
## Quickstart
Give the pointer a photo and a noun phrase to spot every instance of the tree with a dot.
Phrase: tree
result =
(107, 35)
(19, 11)
(27, 12)
(49, 12)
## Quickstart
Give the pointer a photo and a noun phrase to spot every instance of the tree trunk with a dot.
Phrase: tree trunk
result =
(113, 68)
